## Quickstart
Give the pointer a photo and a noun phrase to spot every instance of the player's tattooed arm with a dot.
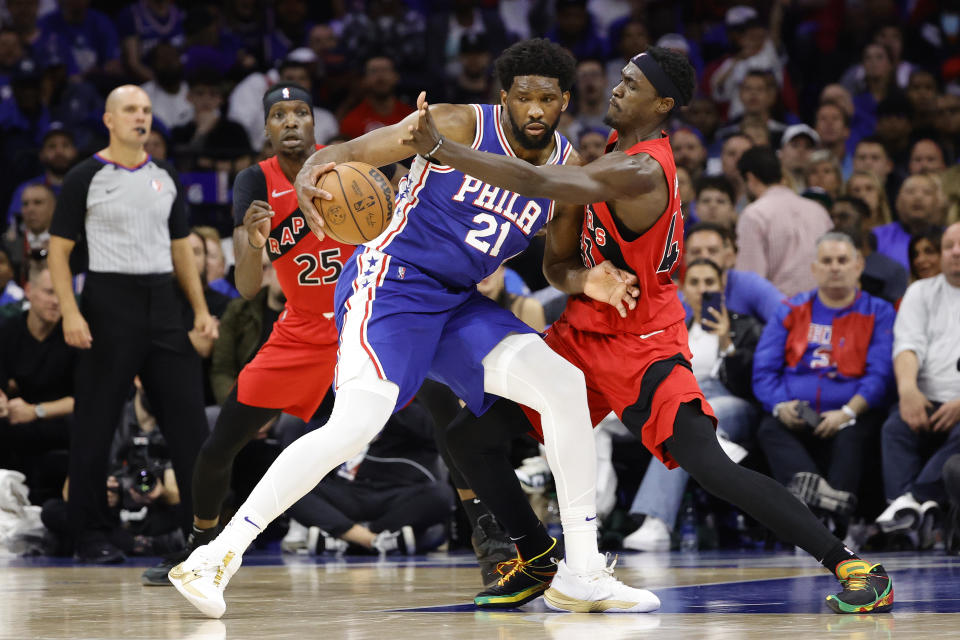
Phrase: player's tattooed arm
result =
(379, 147)
(615, 176)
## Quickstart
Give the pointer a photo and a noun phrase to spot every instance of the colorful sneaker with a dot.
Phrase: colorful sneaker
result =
(596, 590)
(203, 576)
(869, 591)
(521, 581)
(492, 546)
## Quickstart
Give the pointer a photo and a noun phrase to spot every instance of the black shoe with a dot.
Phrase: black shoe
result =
(98, 551)
(952, 537)
(864, 592)
(156, 576)
(521, 581)
(814, 491)
(492, 546)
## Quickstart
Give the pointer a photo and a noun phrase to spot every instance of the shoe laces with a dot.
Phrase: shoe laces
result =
(857, 581)
(509, 569)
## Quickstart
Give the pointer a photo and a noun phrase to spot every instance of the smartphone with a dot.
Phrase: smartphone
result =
(808, 415)
(710, 300)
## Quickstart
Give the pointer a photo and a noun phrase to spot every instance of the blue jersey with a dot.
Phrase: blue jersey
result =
(459, 229)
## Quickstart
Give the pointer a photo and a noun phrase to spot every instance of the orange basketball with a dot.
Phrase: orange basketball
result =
(362, 202)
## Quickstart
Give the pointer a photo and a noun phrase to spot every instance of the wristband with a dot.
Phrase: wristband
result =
(850, 413)
(429, 154)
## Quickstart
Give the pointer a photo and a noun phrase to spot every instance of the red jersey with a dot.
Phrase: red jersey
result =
(307, 267)
(653, 256)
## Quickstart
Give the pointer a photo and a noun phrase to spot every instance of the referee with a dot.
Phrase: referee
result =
(131, 210)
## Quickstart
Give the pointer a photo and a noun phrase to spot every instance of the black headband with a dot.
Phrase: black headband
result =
(658, 78)
(283, 93)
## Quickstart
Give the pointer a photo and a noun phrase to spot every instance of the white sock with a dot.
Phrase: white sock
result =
(242, 529)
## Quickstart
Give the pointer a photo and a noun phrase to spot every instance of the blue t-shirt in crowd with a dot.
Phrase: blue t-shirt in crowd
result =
(748, 293)
(893, 241)
(87, 45)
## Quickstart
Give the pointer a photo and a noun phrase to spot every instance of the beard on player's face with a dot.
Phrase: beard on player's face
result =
(526, 140)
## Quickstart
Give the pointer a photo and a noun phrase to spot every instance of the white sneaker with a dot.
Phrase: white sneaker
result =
(903, 514)
(203, 576)
(653, 535)
(734, 451)
(534, 474)
(596, 591)
(296, 539)
(930, 517)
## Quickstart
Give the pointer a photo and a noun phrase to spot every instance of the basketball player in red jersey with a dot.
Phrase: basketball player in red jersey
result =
(293, 370)
(622, 247)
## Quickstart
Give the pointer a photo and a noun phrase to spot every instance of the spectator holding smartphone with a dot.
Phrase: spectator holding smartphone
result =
(722, 343)
(823, 372)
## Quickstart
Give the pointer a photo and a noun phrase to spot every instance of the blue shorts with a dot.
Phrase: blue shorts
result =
(413, 327)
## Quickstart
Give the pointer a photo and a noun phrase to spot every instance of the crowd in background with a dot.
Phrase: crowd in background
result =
(810, 117)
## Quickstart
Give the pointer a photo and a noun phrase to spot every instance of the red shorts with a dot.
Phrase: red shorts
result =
(293, 370)
(644, 380)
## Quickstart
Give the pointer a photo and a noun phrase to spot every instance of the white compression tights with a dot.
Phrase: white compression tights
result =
(524, 369)
(360, 410)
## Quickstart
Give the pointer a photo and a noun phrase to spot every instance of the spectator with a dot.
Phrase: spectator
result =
(926, 156)
(796, 145)
(25, 116)
(216, 262)
(380, 106)
(733, 148)
(142, 26)
(758, 95)
(687, 195)
(167, 90)
(917, 209)
(36, 396)
(689, 151)
(156, 144)
(592, 144)
(838, 94)
(714, 204)
(11, 53)
(37, 207)
(388, 498)
(827, 350)
(591, 100)
(25, 22)
(882, 276)
(83, 37)
(755, 48)
(744, 292)
(57, 155)
(921, 432)
(894, 126)
(216, 301)
(922, 92)
(10, 291)
(702, 115)
(778, 230)
(528, 309)
(924, 254)
(871, 155)
(473, 83)
(631, 39)
(389, 28)
(722, 346)
(296, 69)
(207, 45)
(823, 172)
(947, 122)
(866, 186)
(574, 30)
(878, 83)
(205, 95)
(833, 127)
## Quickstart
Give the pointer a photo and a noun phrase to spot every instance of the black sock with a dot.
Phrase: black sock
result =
(475, 509)
(199, 537)
(534, 543)
(839, 553)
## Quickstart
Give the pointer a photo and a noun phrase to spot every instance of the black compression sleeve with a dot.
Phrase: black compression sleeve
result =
(250, 185)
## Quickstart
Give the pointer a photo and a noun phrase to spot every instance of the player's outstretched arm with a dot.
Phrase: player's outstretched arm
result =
(615, 176)
(379, 147)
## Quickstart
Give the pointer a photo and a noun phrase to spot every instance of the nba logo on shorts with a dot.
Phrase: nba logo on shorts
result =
(401, 271)
(156, 184)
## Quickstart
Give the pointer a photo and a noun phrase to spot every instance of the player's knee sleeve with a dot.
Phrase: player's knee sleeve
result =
(524, 369)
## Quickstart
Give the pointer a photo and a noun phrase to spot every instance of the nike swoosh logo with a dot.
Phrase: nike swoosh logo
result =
(644, 336)
(277, 194)
(247, 518)
(111, 190)
(593, 518)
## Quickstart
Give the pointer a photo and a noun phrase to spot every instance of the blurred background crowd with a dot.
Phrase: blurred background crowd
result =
(809, 116)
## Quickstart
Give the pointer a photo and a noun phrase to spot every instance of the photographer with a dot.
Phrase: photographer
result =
(823, 371)
(142, 491)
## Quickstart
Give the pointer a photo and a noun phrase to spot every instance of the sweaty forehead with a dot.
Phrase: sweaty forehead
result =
(535, 84)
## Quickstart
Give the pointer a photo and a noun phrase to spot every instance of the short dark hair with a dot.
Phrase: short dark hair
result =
(925, 138)
(763, 163)
(717, 183)
(873, 139)
(536, 57)
(678, 69)
(933, 234)
(863, 209)
(838, 107)
(704, 262)
(712, 227)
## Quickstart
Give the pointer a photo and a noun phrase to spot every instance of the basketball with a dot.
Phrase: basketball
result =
(362, 202)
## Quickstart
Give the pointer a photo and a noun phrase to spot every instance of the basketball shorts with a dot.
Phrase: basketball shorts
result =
(643, 379)
(294, 368)
(413, 327)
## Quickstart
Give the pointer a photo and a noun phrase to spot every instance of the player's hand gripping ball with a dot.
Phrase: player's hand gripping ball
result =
(362, 203)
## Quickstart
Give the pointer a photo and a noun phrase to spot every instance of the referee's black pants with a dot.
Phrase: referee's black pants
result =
(137, 328)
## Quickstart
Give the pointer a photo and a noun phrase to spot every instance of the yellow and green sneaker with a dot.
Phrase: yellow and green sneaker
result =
(521, 581)
(866, 589)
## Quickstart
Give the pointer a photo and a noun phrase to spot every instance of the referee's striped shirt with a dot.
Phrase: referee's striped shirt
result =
(128, 215)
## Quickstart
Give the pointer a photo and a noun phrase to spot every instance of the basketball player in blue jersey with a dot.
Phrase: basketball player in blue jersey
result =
(408, 308)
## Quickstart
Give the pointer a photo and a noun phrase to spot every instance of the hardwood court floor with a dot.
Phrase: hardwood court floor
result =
(710, 596)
